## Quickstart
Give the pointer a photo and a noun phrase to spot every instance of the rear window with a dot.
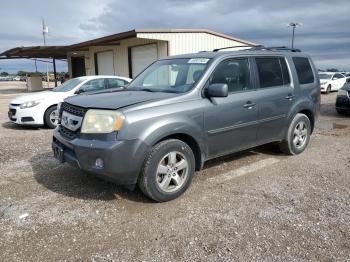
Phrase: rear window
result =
(304, 71)
(273, 71)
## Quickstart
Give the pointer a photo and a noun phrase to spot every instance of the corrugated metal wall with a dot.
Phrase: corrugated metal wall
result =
(120, 52)
(182, 43)
(167, 43)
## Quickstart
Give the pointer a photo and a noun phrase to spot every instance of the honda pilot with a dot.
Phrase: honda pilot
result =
(184, 110)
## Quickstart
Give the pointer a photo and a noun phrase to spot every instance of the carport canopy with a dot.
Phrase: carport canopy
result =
(57, 52)
(37, 52)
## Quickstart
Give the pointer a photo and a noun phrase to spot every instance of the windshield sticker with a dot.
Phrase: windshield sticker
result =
(198, 61)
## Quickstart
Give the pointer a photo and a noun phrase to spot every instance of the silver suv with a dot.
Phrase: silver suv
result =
(184, 110)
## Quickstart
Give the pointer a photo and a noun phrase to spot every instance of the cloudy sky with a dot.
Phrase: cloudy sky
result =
(325, 33)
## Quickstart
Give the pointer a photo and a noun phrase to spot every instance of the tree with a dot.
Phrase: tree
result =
(4, 74)
(332, 70)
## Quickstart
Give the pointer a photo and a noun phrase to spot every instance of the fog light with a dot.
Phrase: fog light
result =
(99, 163)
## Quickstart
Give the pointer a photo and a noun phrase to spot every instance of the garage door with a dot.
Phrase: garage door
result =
(141, 57)
(105, 63)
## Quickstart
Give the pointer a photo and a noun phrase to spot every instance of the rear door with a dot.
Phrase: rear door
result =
(231, 122)
(275, 97)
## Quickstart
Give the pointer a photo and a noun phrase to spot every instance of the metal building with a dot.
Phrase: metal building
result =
(128, 53)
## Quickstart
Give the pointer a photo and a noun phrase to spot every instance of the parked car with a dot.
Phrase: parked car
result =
(342, 103)
(331, 81)
(17, 78)
(184, 110)
(41, 107)
(23, 78)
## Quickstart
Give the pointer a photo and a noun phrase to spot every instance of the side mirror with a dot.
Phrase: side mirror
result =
(79, 91)
(217, 90)
(335, 78)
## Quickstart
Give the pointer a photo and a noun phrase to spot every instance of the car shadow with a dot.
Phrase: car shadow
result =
(268, 149)
(72, 182)
(329, 110)
(13, 126)
(13, 91)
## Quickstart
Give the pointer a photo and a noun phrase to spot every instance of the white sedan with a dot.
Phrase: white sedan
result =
(331, 81)
(40, 108)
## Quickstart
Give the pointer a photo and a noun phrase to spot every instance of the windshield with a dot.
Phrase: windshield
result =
(172, 76)
(68, 85)
(325, 76)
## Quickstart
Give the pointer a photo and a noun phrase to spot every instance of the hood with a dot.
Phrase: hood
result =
(323, 81)
(115, 100)
(34, 96)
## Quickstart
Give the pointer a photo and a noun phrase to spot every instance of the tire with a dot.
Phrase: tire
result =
(48, 117)
(161, 178)
(291, 145)
(329, 89)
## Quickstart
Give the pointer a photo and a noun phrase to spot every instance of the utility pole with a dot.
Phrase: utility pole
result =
(294, 25)
(45, 31)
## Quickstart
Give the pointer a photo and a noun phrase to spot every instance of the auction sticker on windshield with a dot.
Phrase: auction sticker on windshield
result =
(198, 61)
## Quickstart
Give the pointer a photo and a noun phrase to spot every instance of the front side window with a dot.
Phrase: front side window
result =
(338, 76)
(173, 75)
(68, 85)
(235, 73)
(93, 85)
(273, 71)
(115, 82)
(304, 70)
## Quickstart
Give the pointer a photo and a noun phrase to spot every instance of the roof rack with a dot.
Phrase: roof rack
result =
(237, 46)
(261, 47)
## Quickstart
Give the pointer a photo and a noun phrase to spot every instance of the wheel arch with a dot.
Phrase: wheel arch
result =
(46, 111)
(191, 142)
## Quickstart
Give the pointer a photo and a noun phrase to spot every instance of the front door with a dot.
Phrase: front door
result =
(78, 66)
(231, 122)
(276, 96)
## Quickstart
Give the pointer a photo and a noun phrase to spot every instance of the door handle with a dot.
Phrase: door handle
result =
(290, 97)
(249, 105)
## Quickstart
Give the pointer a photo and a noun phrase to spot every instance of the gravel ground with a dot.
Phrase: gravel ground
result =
(255, 205)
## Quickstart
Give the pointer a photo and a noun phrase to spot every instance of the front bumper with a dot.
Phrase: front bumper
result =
(122, 160)
(27, 116)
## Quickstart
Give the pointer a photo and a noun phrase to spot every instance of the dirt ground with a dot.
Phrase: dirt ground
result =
(256, 205)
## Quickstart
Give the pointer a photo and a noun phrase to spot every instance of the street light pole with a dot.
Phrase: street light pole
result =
(294, 25)
(45, 31)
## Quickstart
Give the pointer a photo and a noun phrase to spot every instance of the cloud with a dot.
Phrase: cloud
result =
(324, 35)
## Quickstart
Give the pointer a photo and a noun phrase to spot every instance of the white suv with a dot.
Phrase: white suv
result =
(331, 81)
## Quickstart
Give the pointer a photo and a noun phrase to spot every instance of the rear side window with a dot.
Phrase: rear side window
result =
(304, 71)
(273, 71)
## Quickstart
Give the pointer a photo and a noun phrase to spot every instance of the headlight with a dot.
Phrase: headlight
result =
(29, 104)
(102, 121)
(342, 92)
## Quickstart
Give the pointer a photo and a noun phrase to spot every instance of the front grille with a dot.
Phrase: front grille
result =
(13, 111)
(67, 133)
(75, 110)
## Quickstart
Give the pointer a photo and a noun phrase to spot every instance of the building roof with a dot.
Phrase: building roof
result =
(113, 39)
(59, 52)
